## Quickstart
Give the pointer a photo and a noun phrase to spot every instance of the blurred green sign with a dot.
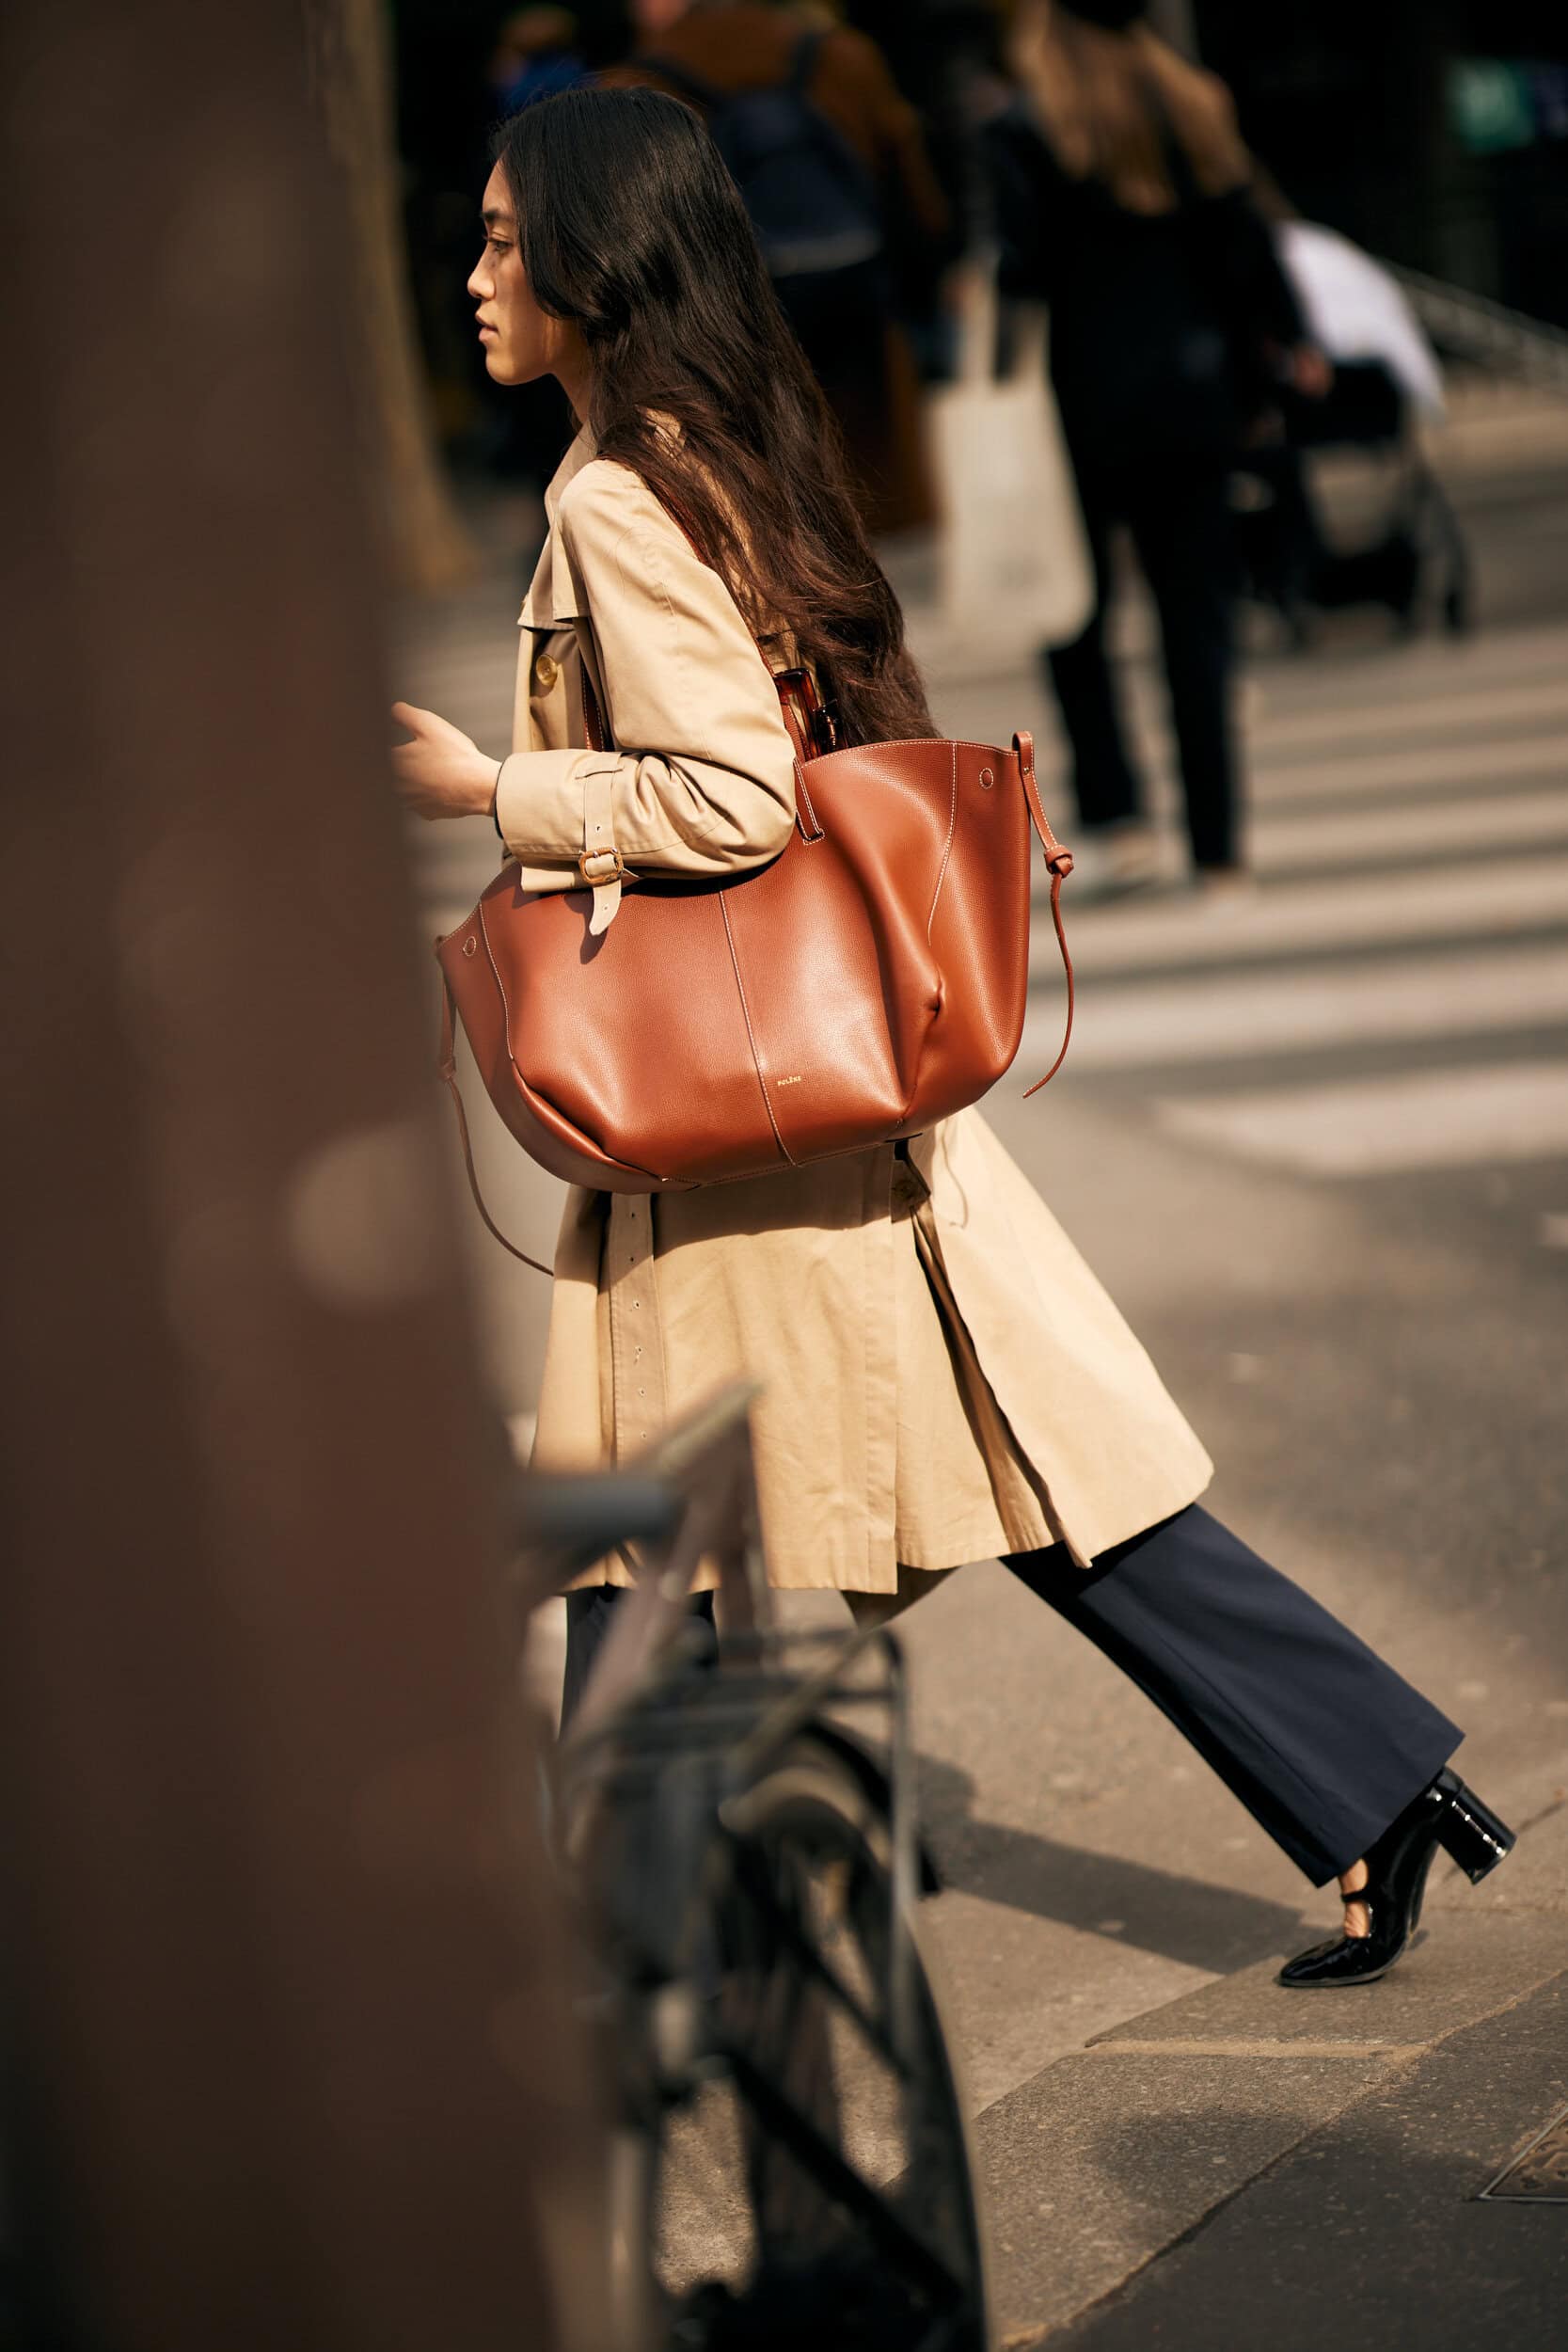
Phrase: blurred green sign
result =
(1491, 105)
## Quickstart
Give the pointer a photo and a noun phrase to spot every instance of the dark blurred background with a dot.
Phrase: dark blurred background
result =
(1433, 133)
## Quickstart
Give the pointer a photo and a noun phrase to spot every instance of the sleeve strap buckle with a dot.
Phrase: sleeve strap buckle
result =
(598, 867)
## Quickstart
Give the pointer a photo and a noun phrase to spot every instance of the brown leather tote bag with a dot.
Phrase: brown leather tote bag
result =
(869, 981)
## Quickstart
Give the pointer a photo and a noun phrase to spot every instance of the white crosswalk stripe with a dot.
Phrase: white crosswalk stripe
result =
(1401, 922)
(1444, 1119)
(1425, 767)
(1506, 705)
(1223, 1018)
(1452, 901)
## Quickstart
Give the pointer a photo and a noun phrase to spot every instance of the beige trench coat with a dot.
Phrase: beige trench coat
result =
(943, 1378)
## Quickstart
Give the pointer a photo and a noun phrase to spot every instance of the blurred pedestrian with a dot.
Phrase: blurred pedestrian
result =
(1122, 200)
(945, 55)
(535, 55)
(834, 167)
(943, 1379)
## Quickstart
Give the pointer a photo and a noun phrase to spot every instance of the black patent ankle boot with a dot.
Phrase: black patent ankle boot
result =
(1446, 1814)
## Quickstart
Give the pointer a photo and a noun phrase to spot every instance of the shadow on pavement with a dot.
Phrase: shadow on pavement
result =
(1202, 1926)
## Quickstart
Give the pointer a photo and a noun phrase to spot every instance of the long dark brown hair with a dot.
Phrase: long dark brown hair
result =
(629, 224)
(1096, 75)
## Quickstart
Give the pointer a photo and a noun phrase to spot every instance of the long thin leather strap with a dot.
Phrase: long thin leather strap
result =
(593, 727)
(1059, 866)
(448, 1066)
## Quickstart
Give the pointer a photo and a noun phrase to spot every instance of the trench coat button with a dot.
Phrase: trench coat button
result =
(545, 673)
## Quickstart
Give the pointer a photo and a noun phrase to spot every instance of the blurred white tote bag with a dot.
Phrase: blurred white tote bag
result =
(1014, 564)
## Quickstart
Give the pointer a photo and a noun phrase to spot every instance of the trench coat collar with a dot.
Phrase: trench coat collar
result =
(556, 597)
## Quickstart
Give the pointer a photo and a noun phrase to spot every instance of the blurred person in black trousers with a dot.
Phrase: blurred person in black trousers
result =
(1122, 199)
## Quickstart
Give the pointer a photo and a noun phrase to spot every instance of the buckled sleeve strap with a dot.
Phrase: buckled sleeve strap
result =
(601, 865)
(556, 808)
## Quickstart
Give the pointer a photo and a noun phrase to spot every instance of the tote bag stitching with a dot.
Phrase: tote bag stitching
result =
(947, 847)
(751, 1033)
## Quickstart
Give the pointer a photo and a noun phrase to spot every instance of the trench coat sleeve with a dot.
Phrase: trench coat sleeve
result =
(705, 780)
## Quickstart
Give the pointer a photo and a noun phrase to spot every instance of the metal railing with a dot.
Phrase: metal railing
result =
(1471, 326)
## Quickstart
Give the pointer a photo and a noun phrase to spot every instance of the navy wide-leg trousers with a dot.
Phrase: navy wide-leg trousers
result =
(1323, 1742)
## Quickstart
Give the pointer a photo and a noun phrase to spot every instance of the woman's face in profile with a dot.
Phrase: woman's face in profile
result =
(519, 339)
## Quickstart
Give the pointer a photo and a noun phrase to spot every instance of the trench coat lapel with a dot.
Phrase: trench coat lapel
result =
(555, 596)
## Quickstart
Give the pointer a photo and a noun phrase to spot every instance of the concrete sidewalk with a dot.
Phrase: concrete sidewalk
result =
(1247, 2166)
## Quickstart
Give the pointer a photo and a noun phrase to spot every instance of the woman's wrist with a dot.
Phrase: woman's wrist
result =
(495, 804)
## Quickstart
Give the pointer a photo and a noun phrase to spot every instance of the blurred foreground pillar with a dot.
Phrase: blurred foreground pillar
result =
(281, 1987)
(349, 54)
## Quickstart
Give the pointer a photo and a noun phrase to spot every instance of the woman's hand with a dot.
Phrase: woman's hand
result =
(442, 772)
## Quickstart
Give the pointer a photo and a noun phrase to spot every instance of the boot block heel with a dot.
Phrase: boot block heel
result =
(1470, 1832)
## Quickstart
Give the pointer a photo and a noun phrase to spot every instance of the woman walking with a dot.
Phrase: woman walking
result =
(1121, 196)
(944, 1379)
